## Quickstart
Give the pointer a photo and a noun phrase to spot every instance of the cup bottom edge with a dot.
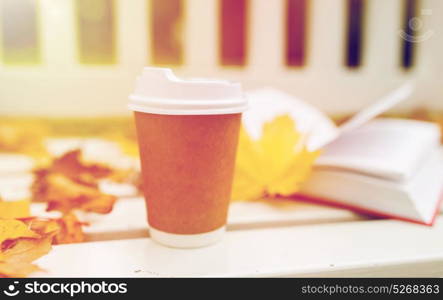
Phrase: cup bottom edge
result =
(197, 240)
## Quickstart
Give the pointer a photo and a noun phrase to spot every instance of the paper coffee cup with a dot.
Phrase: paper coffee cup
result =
(187, 134)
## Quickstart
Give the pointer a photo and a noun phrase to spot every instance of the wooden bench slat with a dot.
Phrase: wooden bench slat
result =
(365, 248)
(128, 218)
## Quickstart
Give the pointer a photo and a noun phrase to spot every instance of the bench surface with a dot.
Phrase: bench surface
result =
(264, 238)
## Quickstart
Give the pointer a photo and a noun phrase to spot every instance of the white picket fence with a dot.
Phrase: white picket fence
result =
(62, 86)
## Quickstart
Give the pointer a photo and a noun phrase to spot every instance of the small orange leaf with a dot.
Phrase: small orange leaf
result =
(70, 230)
(65, 230)
(42, 226)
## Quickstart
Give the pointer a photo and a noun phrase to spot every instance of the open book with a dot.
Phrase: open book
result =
(382, 167)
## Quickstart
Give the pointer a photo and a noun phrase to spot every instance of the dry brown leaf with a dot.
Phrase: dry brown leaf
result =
(70, 184)
(65, 195)
(40, 185)
(71, 166)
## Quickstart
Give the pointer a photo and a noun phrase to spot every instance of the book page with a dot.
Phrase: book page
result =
(267, 103)
(388, 148)
(382, 105)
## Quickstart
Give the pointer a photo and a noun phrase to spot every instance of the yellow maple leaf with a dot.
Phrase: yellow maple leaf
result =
(23, 136)
(17, 260)
(14, 209)
(13, 229)
(17, 269)
(276, 164)
(21, 242)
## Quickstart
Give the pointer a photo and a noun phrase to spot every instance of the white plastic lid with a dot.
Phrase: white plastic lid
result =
(159, 91)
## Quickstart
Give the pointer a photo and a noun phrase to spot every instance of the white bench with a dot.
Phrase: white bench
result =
(264, 238)
(355, 248)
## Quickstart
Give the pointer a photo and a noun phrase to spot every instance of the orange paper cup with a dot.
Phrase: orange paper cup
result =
(187, 152)
(187, 164)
